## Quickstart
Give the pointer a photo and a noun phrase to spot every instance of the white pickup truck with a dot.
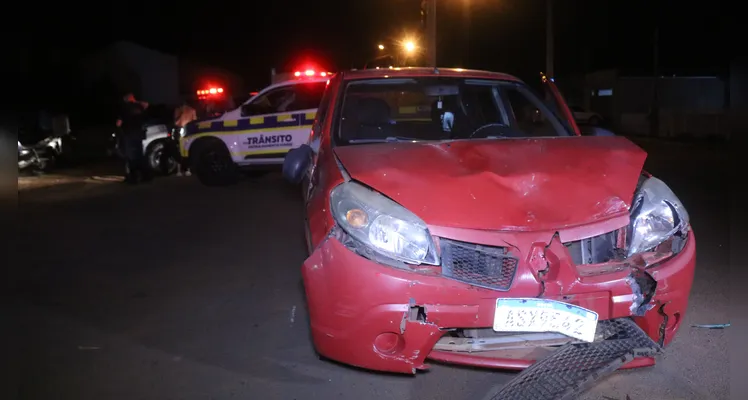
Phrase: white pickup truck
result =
(157, 139)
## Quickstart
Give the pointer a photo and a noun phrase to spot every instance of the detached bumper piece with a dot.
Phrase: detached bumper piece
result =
(571, 369)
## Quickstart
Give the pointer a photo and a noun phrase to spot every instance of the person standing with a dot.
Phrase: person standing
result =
(183, 115)
(132, 133)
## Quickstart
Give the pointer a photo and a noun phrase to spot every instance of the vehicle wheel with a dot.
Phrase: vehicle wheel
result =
(212, 164)
(159, 160)
(594, 121)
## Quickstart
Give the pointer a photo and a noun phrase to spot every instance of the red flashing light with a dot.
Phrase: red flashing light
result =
(205, 92)
(310, 73)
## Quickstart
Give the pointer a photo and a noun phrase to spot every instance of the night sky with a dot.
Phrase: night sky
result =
(250, 37)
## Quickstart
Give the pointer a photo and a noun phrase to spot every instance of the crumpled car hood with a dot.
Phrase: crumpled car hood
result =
(503, 184)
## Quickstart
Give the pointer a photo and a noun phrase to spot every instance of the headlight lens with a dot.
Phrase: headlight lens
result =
(656, 216)
(181, 132)
(382, 225)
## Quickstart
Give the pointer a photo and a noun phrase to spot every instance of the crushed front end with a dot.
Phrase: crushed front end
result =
(458, 282)
(374, 316)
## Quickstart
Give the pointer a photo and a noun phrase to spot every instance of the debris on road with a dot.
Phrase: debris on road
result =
(574, 367)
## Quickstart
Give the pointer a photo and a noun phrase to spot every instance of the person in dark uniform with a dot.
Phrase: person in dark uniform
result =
(132, 133)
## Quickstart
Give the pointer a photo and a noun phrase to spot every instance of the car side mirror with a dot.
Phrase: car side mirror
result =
(296, 163)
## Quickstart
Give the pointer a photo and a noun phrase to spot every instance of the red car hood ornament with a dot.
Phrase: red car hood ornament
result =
(503, 184)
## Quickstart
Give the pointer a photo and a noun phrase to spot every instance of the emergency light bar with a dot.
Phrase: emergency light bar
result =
(310, 73)
(204, 93)
(210, 91)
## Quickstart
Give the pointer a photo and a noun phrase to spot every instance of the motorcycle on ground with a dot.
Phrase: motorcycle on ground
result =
(29, 160)
(44, 154)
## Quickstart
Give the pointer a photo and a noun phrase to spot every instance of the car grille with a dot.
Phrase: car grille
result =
(485, 266)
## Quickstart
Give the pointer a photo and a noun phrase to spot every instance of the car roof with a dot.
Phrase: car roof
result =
(424, 72)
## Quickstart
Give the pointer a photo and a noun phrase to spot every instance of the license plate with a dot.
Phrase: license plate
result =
(541, 315)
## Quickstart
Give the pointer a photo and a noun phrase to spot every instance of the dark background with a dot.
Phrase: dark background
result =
(249, 38)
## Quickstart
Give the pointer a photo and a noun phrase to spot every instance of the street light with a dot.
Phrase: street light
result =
(409, 46)
(381, 47)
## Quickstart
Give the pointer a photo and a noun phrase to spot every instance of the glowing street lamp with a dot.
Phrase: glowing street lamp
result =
(381, 47)
(409, 47)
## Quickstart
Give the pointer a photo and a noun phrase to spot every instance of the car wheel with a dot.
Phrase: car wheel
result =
(594, 121)
(212, 163)
(159, 159)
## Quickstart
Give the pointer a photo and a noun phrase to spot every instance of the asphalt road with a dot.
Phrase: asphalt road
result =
(177, 291)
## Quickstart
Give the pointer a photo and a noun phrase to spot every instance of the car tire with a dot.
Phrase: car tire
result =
(158, 159)
(593, 121)
(212, 163)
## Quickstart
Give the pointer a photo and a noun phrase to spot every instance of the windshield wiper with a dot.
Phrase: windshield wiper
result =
(389, 139)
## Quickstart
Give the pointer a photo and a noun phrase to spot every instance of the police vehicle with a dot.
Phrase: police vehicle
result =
(258, 133)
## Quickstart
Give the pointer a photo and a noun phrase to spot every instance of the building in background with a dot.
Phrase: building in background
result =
(695, 106)
(128, 67)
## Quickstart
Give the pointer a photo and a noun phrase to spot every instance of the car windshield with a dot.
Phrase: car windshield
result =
(391, 109)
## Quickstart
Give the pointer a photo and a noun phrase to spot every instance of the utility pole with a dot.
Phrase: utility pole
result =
(431, 32)
(549, 38)
(466, 15)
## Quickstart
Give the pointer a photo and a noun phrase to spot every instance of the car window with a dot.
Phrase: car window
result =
(481, 105)
(289, 99)
(439, 109)
(274, 101)
(308, 96)
(527, 116)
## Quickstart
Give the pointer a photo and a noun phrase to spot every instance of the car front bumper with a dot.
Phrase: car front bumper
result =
(382, 318)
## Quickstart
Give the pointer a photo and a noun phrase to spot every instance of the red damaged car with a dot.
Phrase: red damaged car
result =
(457, 216)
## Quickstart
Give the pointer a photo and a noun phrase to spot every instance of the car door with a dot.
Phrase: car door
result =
(276, 121)
(553, 95)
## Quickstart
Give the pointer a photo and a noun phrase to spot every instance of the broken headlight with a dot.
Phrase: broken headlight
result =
(656, 216)
(381, 225)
